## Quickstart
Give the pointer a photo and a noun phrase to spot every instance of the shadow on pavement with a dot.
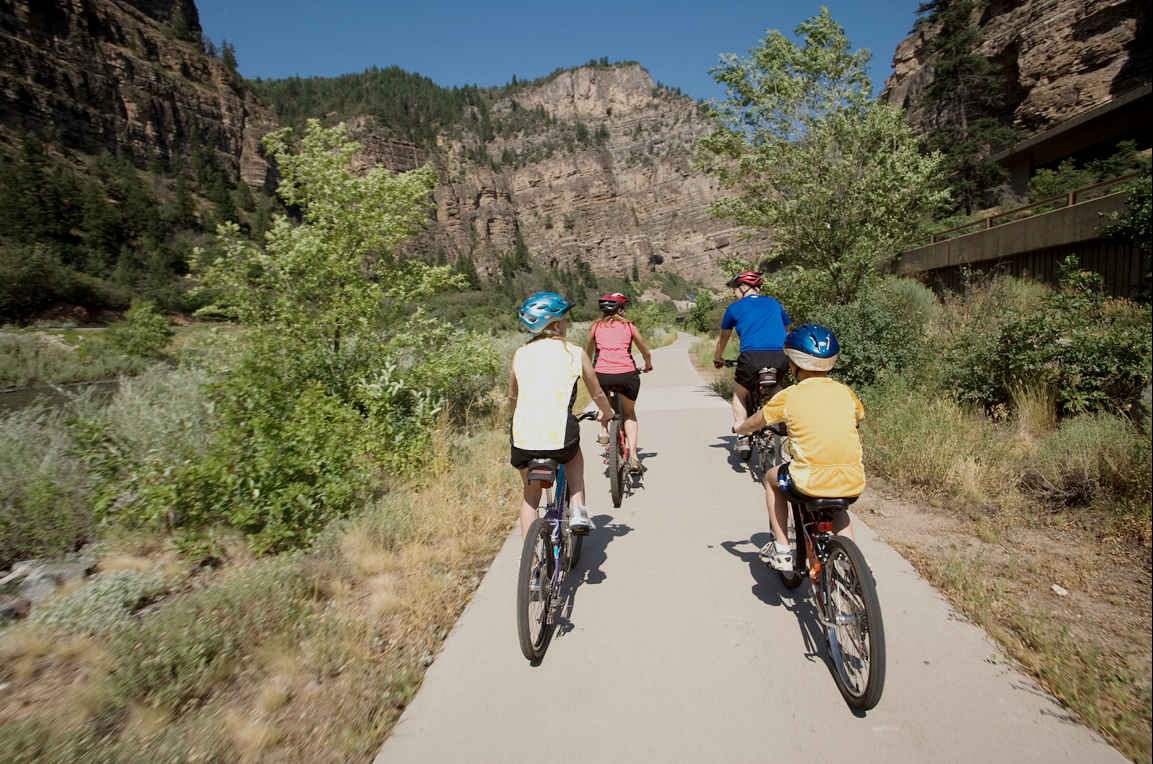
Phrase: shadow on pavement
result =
(588, 571)
(737, 463)
(769, 590)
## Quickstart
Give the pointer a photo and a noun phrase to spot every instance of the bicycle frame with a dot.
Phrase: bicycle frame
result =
(816, 528)
(554, 516)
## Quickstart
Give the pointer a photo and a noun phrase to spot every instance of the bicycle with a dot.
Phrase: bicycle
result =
(766, 440)
(617, 458)
(844, 594)
(549, 552)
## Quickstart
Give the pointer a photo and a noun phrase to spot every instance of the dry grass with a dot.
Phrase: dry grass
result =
(372, 604)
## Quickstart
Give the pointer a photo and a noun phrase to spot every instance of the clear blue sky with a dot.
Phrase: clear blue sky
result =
(456, 43)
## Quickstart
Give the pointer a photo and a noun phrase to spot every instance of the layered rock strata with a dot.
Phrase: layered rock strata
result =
(1060, 58)
(112, 74)
(629, 197)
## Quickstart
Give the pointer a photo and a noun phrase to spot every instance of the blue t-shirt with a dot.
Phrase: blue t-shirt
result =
(760, 322)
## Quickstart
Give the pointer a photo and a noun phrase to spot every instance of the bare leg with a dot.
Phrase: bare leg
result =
(842, 526)
(777, 506)
(575, 472)
(629, 411)
(740, 413)
(529, 502)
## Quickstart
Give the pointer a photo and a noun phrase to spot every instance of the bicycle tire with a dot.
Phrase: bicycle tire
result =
(575, 545)
(536, 569)
(616, 463)
(850, 596)
(793, 578)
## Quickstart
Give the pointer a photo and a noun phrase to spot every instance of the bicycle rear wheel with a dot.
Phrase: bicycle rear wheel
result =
(532, 591)
(616, 462)
(856, 637)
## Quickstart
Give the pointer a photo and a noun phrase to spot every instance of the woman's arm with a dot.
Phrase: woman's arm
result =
(513, 390)
(594, 388)
(591, 345)
(641, 346)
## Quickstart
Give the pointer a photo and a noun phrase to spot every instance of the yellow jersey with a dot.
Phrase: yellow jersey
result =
(822, 416)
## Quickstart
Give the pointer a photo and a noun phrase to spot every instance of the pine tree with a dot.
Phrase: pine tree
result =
(966, 99)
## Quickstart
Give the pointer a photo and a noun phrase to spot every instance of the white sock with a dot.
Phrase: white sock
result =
(782, 549)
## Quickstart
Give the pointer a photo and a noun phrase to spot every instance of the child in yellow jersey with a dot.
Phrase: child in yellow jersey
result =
(541, 390)
(821, 415)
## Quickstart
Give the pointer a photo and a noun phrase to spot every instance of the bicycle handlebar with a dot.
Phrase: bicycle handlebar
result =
(587, 416)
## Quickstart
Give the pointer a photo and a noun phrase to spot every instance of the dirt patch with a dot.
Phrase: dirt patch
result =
(1072, 605)
(64, 313)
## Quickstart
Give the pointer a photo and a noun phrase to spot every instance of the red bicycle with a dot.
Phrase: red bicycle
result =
(844, 593)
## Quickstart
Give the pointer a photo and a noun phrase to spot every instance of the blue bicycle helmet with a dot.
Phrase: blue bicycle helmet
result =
(542, 309)
(812, 347)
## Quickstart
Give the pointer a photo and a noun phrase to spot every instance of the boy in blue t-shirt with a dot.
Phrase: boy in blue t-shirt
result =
(761, 324)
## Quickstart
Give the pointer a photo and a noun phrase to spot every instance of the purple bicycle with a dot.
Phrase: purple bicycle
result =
(550, 551)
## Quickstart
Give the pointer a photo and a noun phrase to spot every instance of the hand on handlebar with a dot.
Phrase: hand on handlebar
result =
(720, 363)
(648, 367)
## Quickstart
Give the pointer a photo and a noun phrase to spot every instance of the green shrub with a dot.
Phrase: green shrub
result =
(104, 603)
(881, 333)
(144, 332)
(26, 359)
(43, 487)
(700, 318)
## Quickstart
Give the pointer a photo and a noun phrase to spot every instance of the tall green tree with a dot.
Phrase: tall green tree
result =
(335, 273)
(966, 101)
(836, 179)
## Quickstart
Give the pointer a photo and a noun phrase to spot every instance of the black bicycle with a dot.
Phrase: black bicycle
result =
(844, 593)
(550, 550)
(766, 441)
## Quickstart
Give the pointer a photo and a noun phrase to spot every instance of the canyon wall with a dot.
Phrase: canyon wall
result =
(1059, 58)
(125, 76)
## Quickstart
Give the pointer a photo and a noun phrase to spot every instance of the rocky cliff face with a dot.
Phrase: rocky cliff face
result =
(112, 74)
(1060, 57)
(625, 193)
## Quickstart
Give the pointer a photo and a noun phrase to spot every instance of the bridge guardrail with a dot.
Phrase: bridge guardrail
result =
(1068, 200)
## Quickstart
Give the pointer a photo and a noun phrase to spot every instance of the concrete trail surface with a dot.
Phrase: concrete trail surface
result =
(679, 645)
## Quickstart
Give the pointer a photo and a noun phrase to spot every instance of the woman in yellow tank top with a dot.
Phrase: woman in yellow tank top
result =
(541, 392)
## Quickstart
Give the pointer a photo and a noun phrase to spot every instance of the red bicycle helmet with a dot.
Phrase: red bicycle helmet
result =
(612, 302)
(748, 278)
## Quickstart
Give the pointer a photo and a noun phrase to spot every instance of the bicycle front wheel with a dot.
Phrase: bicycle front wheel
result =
(855, 632)
(616, 462)
(533, 590)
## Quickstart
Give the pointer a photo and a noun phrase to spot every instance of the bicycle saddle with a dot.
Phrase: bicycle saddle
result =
(820, 506)
(542, 471)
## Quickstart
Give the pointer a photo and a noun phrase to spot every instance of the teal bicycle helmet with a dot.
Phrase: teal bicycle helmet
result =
(542, 309)
(812, 347)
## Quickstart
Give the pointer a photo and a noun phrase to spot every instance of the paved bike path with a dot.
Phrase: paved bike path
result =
(680, 646)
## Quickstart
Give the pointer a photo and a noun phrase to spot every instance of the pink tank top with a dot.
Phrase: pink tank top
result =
(613, 342)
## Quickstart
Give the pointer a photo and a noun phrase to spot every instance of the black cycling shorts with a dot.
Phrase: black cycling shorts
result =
(520, 457)
(628, 385)
(750, 363)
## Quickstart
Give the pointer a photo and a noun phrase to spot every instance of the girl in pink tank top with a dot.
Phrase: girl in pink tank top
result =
(610, 342)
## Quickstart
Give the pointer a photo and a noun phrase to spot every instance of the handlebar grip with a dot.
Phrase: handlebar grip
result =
(588, 415)
(730, 363)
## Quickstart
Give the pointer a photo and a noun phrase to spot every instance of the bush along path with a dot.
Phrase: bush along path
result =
(677, 641)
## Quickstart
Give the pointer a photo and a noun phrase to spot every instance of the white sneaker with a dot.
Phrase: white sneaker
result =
(777, 559)
(579, 522)
(744, 449)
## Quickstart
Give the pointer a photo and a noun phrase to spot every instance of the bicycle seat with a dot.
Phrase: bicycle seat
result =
(542, 471)
(829, 506)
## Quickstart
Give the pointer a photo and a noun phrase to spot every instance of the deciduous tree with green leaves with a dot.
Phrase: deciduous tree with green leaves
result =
(836, 179)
